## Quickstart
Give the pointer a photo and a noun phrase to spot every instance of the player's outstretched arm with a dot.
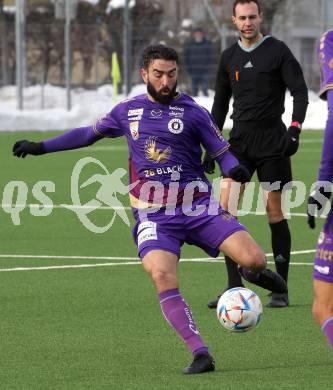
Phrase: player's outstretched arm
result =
(73, 139)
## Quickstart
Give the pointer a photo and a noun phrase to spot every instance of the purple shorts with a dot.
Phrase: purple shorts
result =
(323, 264)
(169, 232)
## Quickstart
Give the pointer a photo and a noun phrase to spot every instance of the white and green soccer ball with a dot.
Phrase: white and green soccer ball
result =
(239, 309)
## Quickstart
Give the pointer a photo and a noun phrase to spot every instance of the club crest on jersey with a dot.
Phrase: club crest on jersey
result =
(176, 126)
(134, 128)
(154, 154)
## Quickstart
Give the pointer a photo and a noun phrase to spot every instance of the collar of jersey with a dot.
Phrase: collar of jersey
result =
(254, 46)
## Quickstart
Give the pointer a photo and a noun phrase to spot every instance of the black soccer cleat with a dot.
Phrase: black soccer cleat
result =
(278, 300)
(266, 279)
(213, 303)
(201, 363)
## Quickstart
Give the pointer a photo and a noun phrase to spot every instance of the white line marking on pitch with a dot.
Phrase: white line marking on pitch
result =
(79, 207)
(134, 261)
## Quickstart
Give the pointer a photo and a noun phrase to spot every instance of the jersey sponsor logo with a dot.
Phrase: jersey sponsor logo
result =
(136, 112)
(324, 254)
(146, 225)
(176, 114)
(147, 231)
(154, 154)
(177, 108)
(135, 115)
(164, 170)
(322, 270)
(176, 126)
(248, 65)
(134, 128)
(176, 111)
(156, 113)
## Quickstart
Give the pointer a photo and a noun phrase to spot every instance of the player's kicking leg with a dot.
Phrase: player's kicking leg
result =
(162, 267)
(242, 248)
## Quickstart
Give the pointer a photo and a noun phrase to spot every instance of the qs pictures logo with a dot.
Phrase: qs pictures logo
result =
(110, 185)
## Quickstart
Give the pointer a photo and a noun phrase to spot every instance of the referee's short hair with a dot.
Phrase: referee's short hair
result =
(244, 2)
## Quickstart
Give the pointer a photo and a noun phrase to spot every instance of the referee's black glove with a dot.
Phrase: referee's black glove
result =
(316, 202)
(240, 174)
(291, 141)
(24, 147)
(208, 164)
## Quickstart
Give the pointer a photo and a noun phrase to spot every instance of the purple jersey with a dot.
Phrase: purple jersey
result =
(163, 140)
(323, 265)
(325, 58)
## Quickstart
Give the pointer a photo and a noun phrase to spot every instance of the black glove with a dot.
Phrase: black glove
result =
(291, 141)
(240, 174)
(24, 147)
(316, 202)
(208, 164)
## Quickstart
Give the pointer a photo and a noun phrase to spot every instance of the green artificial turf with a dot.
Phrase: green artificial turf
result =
(98, 325)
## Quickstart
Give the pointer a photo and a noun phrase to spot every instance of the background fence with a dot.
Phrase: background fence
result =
(38, 45)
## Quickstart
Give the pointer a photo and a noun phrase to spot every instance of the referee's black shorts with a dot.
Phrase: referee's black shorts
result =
(258, 145)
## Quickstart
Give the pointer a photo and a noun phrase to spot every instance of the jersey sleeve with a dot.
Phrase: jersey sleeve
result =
(326, 163)
(325, 58)
(223, 94)
(293, 78)
(110, 125)
(210, 136)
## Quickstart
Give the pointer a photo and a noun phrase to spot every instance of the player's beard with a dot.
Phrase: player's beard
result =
(159, 97)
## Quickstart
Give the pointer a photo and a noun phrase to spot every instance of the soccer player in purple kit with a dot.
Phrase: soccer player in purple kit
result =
(164, 131)
(323, 265)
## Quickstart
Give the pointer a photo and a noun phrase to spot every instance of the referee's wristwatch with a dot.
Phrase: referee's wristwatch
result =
(297, 124)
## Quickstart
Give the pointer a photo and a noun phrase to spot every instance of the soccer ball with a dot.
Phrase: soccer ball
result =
(239, 309)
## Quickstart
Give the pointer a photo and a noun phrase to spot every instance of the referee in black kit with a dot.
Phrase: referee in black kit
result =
(256, 71)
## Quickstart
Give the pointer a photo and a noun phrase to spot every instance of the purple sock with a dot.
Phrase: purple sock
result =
(179, 316)
(327, 328)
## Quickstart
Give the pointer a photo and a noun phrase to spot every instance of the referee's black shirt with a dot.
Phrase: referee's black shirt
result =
(258, 78)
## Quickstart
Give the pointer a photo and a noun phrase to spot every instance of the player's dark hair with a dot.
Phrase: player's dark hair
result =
(158, 52)
(245, 2)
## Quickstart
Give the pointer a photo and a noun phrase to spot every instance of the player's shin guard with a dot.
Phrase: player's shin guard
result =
(179, 316)
(327, 328)
(281, 246)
